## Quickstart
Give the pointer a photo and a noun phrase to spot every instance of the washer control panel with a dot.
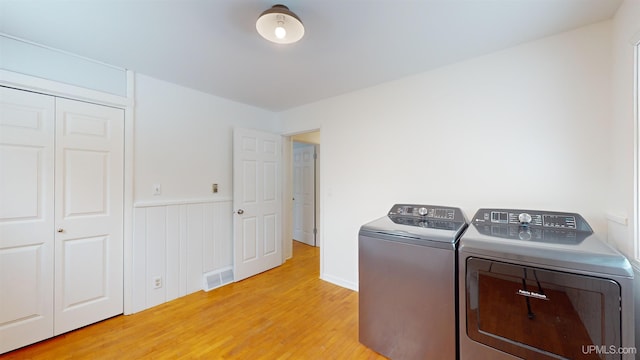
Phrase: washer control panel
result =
(424, 211)
(428, 216)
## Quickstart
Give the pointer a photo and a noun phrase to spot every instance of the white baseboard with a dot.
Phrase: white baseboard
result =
(339, 281)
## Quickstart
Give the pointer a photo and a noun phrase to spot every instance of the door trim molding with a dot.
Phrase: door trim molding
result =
(50, 87)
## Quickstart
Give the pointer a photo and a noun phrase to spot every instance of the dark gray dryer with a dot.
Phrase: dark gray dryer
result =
(407, 282)
(539, 285)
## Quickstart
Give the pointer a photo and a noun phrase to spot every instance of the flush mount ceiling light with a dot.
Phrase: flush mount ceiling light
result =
(280, 25)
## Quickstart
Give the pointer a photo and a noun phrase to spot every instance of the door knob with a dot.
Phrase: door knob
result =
(240, 211)
(60, 230)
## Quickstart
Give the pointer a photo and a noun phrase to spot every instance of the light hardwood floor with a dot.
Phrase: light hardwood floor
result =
(284, 313)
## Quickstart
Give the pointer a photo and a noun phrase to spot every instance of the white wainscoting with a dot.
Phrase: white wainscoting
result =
(178, 242)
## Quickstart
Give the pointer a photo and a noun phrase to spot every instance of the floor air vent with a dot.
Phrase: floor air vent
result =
(217, 278)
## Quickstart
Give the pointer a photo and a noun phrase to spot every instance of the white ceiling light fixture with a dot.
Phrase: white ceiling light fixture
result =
(280, 25)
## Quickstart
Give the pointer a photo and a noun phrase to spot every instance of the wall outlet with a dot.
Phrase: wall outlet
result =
(157, 282)
(157, 189)
(214, 188)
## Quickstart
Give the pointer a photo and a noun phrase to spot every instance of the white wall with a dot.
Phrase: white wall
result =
(47, 63)
(626, 29)
(626, 32)
(183, 141)
(527, 127)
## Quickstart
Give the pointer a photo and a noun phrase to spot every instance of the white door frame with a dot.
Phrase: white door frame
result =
(48, 87)
(287, 191)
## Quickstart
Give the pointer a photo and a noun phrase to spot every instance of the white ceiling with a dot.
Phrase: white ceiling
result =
(212, 45)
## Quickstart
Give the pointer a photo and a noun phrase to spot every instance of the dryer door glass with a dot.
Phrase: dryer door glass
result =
(539, 313)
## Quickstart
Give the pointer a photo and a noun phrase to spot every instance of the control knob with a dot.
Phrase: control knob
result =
(524, 218)
(423, 211)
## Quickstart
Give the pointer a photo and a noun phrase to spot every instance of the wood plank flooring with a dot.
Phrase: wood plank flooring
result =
(284, 313)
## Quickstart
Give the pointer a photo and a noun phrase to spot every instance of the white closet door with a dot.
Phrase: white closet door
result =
(89, 214)
(26, 217)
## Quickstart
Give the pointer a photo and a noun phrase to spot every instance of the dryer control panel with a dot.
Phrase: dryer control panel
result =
(534, 218)
(537, 225)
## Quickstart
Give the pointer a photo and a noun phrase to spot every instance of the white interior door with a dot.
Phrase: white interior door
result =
(298, 233)
(304, 194)
(257, 222)
(89, 213)
(26, 217)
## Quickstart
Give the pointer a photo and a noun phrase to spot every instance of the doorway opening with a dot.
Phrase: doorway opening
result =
(305, 187)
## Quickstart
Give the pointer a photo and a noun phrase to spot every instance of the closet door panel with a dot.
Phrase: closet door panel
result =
(26, 217)
(89, 213)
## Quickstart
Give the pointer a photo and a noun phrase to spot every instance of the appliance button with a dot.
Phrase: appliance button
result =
(524, 218)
